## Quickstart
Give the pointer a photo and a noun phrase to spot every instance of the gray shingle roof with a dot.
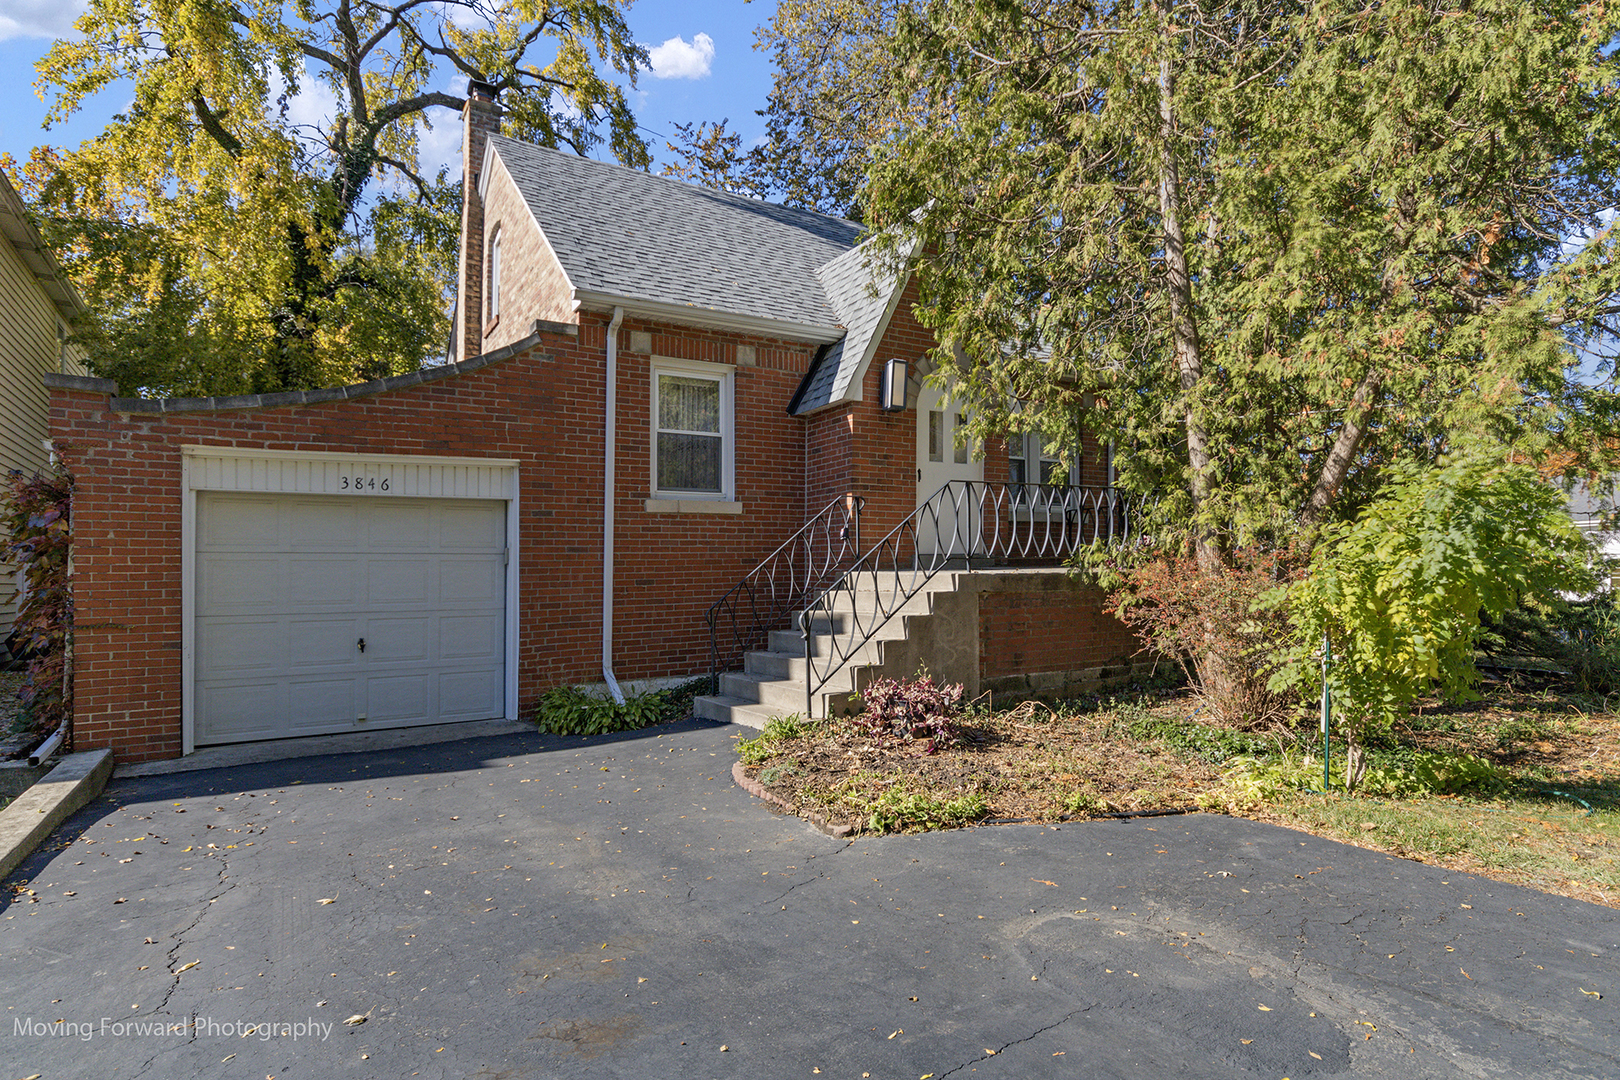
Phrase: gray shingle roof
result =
(862, 295)
(628, 233)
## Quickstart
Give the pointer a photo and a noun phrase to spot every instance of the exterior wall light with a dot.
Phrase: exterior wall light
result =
(894, 385)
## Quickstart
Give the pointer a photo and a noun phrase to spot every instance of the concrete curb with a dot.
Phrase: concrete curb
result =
(759, 791)
(36, 813)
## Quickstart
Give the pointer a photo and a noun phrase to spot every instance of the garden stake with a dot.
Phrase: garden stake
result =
(1327, 713)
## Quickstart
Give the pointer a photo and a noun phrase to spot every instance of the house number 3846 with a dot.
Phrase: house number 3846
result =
(364, 483)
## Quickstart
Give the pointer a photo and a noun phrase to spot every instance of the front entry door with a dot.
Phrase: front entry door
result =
(951, 526)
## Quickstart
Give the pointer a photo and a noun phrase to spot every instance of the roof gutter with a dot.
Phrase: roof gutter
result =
(712, 318)
(607, 503)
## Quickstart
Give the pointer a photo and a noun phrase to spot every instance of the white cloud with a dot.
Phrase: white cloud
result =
(38, 18)
(675, 59)
(440, 147)
(466, 16)
(314, 105)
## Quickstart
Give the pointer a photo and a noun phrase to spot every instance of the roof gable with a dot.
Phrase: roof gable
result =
(622, 233)
(864, 287)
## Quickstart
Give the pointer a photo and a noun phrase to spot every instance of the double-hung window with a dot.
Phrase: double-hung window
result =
(692, 430)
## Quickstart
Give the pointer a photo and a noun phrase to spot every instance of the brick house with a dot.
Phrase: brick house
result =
(652, 386)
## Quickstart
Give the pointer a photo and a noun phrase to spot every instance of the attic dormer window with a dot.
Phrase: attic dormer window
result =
(492, 276)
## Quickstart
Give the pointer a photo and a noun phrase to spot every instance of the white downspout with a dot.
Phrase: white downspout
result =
(607, 504)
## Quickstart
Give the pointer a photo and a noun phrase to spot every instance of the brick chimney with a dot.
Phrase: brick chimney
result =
(480, 119)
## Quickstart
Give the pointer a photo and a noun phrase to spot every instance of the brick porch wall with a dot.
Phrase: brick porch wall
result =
(1058, 626)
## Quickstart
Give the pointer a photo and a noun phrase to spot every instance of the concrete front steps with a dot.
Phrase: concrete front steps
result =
(772, 682)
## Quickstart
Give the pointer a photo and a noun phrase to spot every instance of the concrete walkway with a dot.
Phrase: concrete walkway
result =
(513, 906)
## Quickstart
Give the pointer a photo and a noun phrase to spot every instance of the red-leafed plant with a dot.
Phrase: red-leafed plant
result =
(903, 709)
(1206, 620)
(35, 513)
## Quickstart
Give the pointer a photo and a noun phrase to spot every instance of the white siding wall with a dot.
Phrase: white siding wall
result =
(28, 349)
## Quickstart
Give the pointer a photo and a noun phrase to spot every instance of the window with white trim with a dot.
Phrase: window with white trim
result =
(492, 278)
(692, 450)
(1033, 459)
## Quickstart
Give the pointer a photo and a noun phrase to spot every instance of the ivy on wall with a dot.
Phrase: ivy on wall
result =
(36, 537)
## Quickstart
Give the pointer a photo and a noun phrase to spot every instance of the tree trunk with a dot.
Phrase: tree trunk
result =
(1337, 466)
(1183, 322)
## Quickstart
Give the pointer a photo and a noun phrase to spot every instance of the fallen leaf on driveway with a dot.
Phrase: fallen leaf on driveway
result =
(1043, 881)
(357, 1018)
(187, 967)
(1589, 993)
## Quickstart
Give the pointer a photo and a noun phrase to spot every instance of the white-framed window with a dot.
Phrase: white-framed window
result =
(692, 441)
(1032, 458)
(492, 278)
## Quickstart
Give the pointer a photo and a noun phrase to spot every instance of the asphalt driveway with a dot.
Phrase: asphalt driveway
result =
(525, 907)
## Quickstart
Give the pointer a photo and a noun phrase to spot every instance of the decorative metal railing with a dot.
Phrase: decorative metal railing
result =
(742, 619)
(963, 524)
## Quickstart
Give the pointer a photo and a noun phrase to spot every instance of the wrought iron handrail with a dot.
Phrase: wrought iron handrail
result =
(963, 523)
(765, 598)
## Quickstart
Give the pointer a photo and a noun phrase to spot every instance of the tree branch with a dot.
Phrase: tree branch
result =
(1337, 466)
(211, 123)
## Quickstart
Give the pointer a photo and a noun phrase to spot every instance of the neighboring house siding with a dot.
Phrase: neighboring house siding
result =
(542, 407)
(533, 284)
(29, 347)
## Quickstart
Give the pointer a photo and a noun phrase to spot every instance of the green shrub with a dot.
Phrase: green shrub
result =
(567, 710)
(1399, 592)
(1084, 801)
(1581, 637)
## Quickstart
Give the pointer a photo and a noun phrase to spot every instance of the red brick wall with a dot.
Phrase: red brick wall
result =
(1051, 630)
(858, 447)
(542, 407)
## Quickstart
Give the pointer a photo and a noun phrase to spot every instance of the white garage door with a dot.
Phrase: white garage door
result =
(319, 614)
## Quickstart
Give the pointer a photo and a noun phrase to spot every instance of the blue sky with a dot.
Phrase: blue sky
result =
(705, 68)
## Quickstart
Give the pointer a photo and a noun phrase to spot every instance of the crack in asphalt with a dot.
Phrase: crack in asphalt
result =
(173, 958)
(1016, 1042)
(806, 881)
